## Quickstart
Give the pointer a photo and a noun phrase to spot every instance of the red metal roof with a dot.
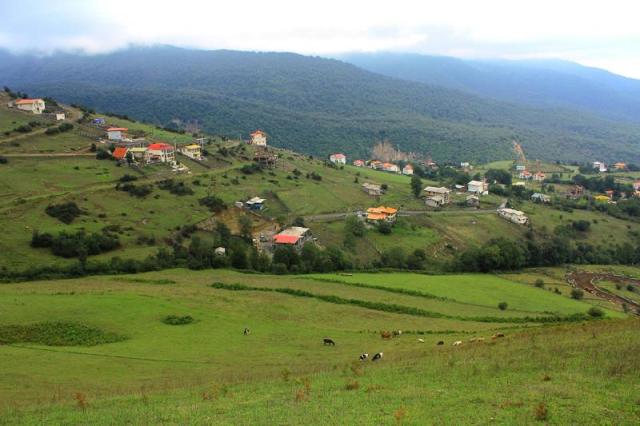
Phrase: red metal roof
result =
(160, 146)
(27, 101)
(117, 129)
(286, 239)
(120, 153)
(257, 132)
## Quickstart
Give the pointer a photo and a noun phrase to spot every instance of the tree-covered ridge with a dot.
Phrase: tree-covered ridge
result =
(314, 105)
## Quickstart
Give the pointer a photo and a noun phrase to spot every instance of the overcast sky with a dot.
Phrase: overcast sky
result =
(605, 34)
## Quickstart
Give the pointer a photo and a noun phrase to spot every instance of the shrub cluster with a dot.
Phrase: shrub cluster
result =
(177, 320)
(65, 212)
(176, 188)
(79, 244)
(134, 190)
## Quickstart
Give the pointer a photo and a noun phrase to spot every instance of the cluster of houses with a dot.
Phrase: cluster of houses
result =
(515, 216)
(527, 175)
(601, 166)
(341, 159)
(440, 196)
(138, 151)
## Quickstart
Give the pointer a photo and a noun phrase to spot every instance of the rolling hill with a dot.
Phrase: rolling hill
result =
(540, 83)
(314, 105)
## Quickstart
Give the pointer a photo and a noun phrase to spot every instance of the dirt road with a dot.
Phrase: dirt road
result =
(587, 282)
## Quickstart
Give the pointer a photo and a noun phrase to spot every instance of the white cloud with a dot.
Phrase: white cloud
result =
(586, 31)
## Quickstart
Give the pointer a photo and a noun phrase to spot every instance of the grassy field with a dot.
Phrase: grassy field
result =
(281, 373)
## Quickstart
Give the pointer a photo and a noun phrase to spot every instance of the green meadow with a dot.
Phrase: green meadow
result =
(208, 371)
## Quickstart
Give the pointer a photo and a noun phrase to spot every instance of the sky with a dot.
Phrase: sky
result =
(604, 34)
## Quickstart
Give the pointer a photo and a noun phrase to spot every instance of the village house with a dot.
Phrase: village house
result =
(514, 216)
(575, 191)
(540, 198)
(375, 164)
(255, 203)
(407, 170)
(160, 153)
(192, 151)
(372, 189)
(525, 174)
(116, 133)
(473, 200)
(338, 159)
(380, 214)
(359, 163)
(137, 153)
(436, 196)
(539, 176)
(620, 166)
(35, 106)
(465, 165)
(258, 138)
(636, 186)
(478, 187)
(294, 236)
(602, 167)
(390, 167)
(521, 167)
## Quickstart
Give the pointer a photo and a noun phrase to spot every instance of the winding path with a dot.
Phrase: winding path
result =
(587, 282)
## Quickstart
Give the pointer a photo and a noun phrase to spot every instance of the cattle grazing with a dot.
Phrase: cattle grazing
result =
(497, 335)
(377, 357)
(364, 357)
(480, 339)
(246, 331)
(457, 343)
(329, 342)
(397, 332)
(473, 339)
(440, 342)
(386, 334)
(420, 340)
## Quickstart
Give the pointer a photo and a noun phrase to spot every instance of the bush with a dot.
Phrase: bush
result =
(3, 160)
(503, 306)
(128, 178)
(176, 188)
(65, 127)
(384, 228)
(581, 225)
(215, 204)
(539, 283)
(630, 288)
(177, 320)
(577, 294)
(75, 245)
(102, 154)
(595, 312)
(52, 131)
(65, 212)
(25, 128)
(139, 191)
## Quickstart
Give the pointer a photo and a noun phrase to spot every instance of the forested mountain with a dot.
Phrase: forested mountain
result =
(547, 83)
(314, 105)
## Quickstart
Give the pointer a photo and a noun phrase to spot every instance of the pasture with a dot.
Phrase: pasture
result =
(207, 371)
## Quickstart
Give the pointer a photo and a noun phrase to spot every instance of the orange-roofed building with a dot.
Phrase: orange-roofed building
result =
(295, 236)
(359, 163)
(35, 106)
(258, 138)
(382, 213)
(120, 153)
(539, 177)
(160, 153)
(620, 166)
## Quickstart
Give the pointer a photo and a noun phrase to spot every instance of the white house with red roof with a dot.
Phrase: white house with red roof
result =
(160, 153)
(117, 133)
(407, 170)
(390, 167)
(35, 106)
(258, 138)
(294, 236)
(359, 163)
(338, 159)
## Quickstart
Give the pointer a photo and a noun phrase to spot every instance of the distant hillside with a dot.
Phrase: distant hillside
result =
(314, 105)
(548, 83)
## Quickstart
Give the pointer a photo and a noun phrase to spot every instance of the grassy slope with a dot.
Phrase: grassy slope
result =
(135, 378)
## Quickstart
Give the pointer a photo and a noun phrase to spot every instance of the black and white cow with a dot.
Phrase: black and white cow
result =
(364, 357)
(377, 357)
(329, 342)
